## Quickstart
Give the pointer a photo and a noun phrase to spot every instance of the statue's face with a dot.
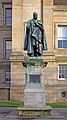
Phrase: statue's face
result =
(34, 15)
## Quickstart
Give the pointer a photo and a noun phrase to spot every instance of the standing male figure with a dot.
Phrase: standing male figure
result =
(35, 40)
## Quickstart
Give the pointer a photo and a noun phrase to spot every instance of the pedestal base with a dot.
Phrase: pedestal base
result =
(34, 96)
(34, 112)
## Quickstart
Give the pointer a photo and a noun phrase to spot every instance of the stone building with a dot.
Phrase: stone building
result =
(5, 48)
(13, 18)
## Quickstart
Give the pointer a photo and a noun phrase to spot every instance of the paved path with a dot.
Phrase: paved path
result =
(11, 114)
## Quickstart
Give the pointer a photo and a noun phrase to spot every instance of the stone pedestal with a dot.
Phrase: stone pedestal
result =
(34, 95)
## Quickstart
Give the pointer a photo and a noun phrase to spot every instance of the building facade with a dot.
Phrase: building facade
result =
(5, 48)
(14, 16)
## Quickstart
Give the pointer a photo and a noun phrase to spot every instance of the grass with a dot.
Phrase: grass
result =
(58, 105)
(16, 104)
(11, 104)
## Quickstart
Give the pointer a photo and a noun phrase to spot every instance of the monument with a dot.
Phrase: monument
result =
(34, 93)
(35, 43)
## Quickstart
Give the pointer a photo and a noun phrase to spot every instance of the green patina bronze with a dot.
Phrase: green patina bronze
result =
(35, 40)
(34, 61)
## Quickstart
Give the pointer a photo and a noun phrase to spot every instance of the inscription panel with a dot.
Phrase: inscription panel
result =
(35, 79)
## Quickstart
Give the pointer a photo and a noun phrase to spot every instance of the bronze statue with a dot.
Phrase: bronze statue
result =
(35, 40)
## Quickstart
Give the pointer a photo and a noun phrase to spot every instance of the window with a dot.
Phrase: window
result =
(8, 16)
(8, 49)
(62, 36)
(63, 94)
(62, 74)
(60, 2)
(8, 76)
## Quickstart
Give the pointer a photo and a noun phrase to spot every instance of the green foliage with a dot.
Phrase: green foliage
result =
(11, 104)
(58, 105)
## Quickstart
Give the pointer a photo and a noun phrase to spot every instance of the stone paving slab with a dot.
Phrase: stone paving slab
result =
(11, 114)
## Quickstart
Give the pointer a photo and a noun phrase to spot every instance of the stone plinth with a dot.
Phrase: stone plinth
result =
(34, 112)
(34, 95)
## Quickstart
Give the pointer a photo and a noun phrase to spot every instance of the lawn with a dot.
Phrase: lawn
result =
(58, 105)
(16, 104)
(11, 104)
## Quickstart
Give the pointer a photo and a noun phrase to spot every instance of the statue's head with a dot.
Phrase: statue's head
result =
(35, 15)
